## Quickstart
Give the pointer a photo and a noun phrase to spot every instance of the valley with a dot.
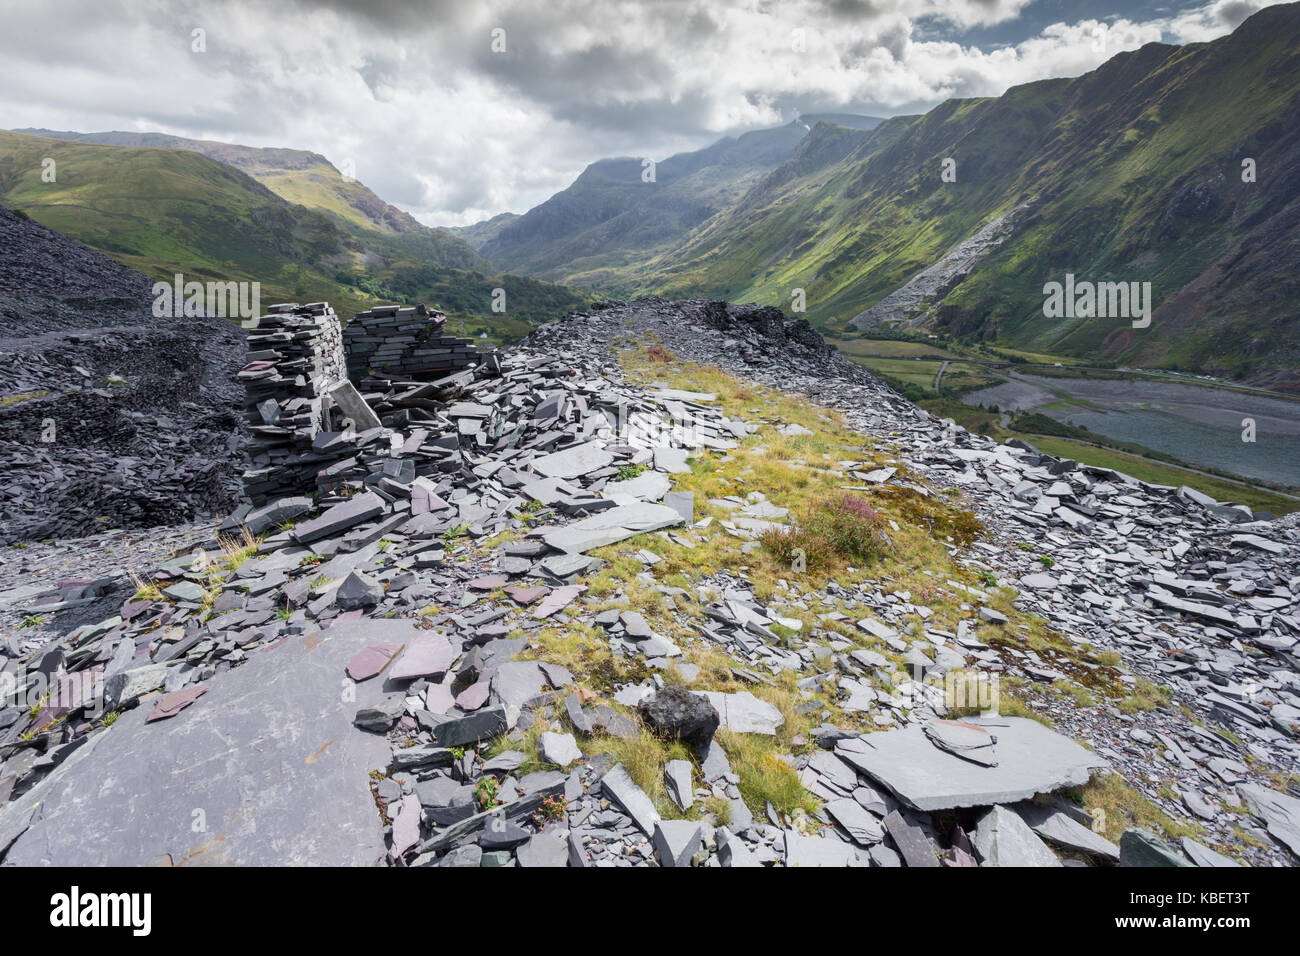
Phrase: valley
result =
(1175, 432)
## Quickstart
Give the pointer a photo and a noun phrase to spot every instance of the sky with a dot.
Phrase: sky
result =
(457, 110)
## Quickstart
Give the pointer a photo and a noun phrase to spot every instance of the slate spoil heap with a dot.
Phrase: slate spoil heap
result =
(109, 416)
(457, 529)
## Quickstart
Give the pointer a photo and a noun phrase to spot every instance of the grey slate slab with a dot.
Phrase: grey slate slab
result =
(1060, 828)
(610, 527)
(912, 843)
(1002, 838)
(631, 798)
(1032, 759)
(276, 738)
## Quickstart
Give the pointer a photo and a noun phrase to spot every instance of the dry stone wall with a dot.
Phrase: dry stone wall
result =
(295, 355)
(404, 343)
(310, 387)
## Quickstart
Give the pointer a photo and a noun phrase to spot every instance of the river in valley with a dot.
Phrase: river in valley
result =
(1199, 425)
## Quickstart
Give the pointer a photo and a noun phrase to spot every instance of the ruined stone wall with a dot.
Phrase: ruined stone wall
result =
(407, 343)
(307, 380)
(295, 355)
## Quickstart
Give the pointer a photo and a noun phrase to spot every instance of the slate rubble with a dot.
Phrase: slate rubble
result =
(535, 442)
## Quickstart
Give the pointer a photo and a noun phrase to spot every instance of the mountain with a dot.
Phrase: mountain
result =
(163, 210)
(305, 178)
(1133, 172)
(610, 219)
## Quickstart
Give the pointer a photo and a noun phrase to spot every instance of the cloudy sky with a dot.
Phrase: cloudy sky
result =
(456, 110)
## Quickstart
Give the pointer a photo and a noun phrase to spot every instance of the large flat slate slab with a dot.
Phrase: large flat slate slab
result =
(268, 755)
(610, 527)
(1032, 759)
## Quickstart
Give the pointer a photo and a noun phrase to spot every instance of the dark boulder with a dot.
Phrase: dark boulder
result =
(676, 713)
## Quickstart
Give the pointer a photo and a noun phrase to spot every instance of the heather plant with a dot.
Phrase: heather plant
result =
(833, 531)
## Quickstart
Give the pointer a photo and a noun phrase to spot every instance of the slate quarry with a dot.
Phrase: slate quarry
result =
(110, 417)
(415, 557)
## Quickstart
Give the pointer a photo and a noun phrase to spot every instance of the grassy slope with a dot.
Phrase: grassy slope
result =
(163, 211)
(799, 473)
(1134, 172)
(307, 179)
(608, 221)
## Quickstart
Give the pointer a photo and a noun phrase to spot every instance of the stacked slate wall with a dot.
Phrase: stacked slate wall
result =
(404, 343)
(295, 354)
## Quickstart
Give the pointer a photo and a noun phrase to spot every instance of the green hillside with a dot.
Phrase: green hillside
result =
(165, 210)
(308, 179)
(605, 225)
(1131, 173)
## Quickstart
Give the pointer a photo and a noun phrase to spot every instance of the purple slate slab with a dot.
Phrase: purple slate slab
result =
(280, 740)
(527, 596)
(169, 705)
(558, 600)
(438, 699)
(406, 826)
(372, 660)
(474, 696)
(427, 657)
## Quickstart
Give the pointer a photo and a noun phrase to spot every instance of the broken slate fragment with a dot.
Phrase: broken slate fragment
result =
(857, 822)
(677, 841)
(1279, 811)
(1032, 759)
(631, 798)
(425, 657)
(184, 591)
(371, 660)
(1002, 838)
(340, 517)
(969, 741)
(169, 705)
(558, 600)
(406, 826)
(743, 712)
(610, 527)
(559, 749)
(459, 731)
(1060, 828)
(382, 715)
(1144, 848)
(912, 843)
(677, 780)
(358, 590)
(544, 850)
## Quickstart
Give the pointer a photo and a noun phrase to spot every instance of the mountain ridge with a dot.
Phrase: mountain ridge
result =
(1130, 172)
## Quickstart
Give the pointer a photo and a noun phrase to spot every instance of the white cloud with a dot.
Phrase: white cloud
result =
(438, 124)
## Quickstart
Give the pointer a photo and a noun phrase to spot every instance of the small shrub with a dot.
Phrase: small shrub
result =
(628, 472)
(657, 353)
(839, 529)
